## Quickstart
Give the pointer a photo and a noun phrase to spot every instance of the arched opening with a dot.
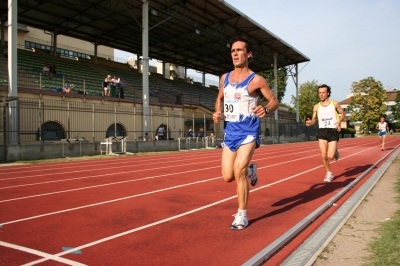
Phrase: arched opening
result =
(51, 131)
(119, 129)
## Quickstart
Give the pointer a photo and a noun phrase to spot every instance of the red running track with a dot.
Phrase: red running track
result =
(169, 209)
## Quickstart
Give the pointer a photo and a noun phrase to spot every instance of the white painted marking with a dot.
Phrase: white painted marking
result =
(45, 256)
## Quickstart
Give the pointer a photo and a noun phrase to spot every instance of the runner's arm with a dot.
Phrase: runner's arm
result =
(218, 102)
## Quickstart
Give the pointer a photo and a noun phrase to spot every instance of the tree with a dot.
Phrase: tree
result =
(282, 81)
(308, 97)
(396, 111)
(367, 102)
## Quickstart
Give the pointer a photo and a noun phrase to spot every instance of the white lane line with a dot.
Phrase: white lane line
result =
(110, 201)
(179, 215)
(47, 168)
(107, 168)
(46, 256)
(103, 175)
(134, 180)
(164, 220)
(103, 185)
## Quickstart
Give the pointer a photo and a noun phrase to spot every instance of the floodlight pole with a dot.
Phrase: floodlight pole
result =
(12, 71)
(276, 90)
(297, 93)
(145, 69)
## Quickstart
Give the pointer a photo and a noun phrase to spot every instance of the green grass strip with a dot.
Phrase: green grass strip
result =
(385, 249)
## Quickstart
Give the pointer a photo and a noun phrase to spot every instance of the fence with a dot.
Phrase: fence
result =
(48, 121)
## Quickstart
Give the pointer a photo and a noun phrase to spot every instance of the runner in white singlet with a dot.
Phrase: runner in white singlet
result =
(383, 128)
(329, 126)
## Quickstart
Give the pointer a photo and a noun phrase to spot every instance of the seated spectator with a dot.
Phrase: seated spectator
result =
(156, 137)
(67, 88)
(106, 86)
(46, 70)
(201, 132)
(190, 132)
(146, 137)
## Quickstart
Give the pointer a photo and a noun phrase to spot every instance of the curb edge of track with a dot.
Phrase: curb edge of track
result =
(308, 252)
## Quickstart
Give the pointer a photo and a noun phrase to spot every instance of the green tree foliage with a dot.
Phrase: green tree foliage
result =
(282, 81)
(396, 111)
(308, 97)
(367, 102)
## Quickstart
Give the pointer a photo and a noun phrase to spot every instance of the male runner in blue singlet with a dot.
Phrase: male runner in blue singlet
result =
(329, 121)
(238, 98)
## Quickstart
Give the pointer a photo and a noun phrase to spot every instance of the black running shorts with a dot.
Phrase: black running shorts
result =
(329, 134)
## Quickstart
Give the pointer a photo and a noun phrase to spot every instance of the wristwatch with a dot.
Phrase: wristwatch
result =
(266, 110)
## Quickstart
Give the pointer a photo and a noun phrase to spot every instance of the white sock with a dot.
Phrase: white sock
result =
(242, 212)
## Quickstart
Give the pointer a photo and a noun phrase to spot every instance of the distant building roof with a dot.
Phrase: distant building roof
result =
(391, 96)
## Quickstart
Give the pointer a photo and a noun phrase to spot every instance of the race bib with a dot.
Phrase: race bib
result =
(231, 110)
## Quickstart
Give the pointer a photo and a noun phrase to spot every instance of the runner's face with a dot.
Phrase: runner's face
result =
(323, 94)
(382, 119)
(239, 54)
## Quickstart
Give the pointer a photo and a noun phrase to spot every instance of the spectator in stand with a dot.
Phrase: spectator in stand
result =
(106, 86)
(190, 132)
(156, 137)
(52, 70)
(161, 132)
(114, 86)
(201, 131)
(46, 69)
(121, 88)
(67, 88)
(146, 137)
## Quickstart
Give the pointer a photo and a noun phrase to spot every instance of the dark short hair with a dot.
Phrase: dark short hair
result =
(249, 46)
(327, 88)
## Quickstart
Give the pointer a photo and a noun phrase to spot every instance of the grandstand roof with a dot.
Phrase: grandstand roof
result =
(190, 33)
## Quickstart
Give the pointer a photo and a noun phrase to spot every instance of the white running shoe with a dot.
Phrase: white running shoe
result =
(240, 222)
(328, 177)
(253, 175)
(337, 155)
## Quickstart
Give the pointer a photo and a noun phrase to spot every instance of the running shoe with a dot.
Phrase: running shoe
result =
(240, 222)
(337, 155)
(328, 177)
(252, 175)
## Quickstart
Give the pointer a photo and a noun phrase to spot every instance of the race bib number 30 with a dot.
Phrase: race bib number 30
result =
(231, 110)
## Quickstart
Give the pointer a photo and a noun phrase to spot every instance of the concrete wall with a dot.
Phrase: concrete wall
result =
(58, 149)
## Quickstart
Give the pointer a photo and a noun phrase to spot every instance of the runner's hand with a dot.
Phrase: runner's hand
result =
(216, 117)
(259, 111)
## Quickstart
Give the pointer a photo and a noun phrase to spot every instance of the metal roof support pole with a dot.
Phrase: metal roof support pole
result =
(145, 73)
(204, 79)
(55, 42)
(95, 52)
(276, 90)
(12, 70)
(297, 93)
(3, 22)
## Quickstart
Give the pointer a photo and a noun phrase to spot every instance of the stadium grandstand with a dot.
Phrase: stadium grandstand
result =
(71, 43)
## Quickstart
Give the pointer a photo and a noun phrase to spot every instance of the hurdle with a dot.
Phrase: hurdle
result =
(108, 143)
(69, 141)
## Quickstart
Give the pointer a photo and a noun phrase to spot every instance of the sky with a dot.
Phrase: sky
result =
(345, 40)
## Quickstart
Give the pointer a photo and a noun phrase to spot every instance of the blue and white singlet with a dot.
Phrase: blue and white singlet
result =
(238, 105)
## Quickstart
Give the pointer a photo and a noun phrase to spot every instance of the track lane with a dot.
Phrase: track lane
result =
(224, 210)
